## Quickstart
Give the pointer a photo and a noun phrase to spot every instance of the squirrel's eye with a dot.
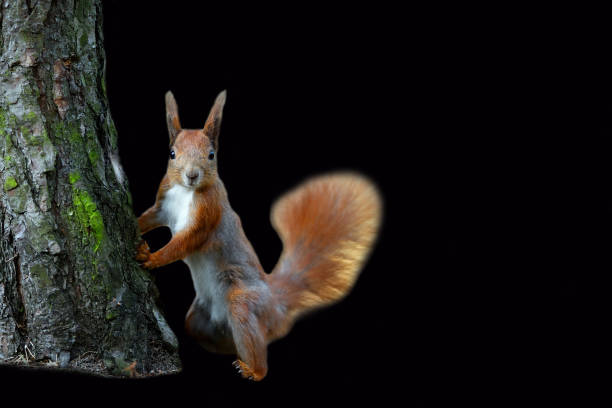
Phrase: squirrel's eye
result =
(211, 155)
(172, 155)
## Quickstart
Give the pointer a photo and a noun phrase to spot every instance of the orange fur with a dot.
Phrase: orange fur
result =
(206, 216)
(249, 338)
(328, 226)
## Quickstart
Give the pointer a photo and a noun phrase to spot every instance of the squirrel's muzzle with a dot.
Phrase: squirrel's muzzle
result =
(192, 176)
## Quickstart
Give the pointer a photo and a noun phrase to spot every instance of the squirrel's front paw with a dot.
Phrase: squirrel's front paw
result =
(246, 371)
(143, 253)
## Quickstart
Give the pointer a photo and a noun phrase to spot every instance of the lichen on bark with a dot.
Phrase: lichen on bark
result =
(70, 293)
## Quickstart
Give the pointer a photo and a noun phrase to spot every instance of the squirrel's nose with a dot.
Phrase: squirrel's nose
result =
(192, 174)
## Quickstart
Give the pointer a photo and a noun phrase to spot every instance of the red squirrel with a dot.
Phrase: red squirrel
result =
(328, 226)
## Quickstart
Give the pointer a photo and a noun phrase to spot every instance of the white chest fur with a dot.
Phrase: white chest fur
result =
(176, 207)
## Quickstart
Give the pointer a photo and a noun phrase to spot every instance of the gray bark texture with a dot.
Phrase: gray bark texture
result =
(70, 293)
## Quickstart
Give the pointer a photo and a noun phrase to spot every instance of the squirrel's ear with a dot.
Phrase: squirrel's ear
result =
(172, 118)
(213, 123)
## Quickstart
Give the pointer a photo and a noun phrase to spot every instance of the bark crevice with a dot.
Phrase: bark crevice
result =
(11, 280)
(19, 314)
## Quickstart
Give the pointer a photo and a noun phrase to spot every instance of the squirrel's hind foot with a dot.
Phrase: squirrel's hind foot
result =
(246, 371)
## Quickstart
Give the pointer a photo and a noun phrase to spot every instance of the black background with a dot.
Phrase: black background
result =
(459, 293)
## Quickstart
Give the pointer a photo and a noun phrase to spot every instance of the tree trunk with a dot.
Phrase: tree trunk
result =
(70, 293)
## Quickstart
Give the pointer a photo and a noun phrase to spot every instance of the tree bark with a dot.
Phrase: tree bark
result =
(70, 293)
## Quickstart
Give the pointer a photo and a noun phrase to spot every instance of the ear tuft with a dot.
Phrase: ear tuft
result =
(212, 127)
(172, 118)
(220, 99)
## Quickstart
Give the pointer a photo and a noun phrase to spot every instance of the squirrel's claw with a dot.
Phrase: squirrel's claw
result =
(245, 370)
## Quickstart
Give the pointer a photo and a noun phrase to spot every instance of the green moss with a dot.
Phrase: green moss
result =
(74, 177)
(94, 150)
(93, 157)
(129, 200)
(75, 136)
(31, 95)
(88, 216)
(7, 159)
(2, 124)
(87, 219)
(59, 129)
(97, 225)
(103, 85)
(30, 137)
(30, 116)
(10, 183)
(4, 130)
(29, 119)
(83, 40)
(68, 134)
(111, 314)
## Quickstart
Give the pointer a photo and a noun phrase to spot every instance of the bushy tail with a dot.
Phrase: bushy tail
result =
(328, 226)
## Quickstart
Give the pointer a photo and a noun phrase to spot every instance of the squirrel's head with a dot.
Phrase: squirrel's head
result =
(193, 152)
